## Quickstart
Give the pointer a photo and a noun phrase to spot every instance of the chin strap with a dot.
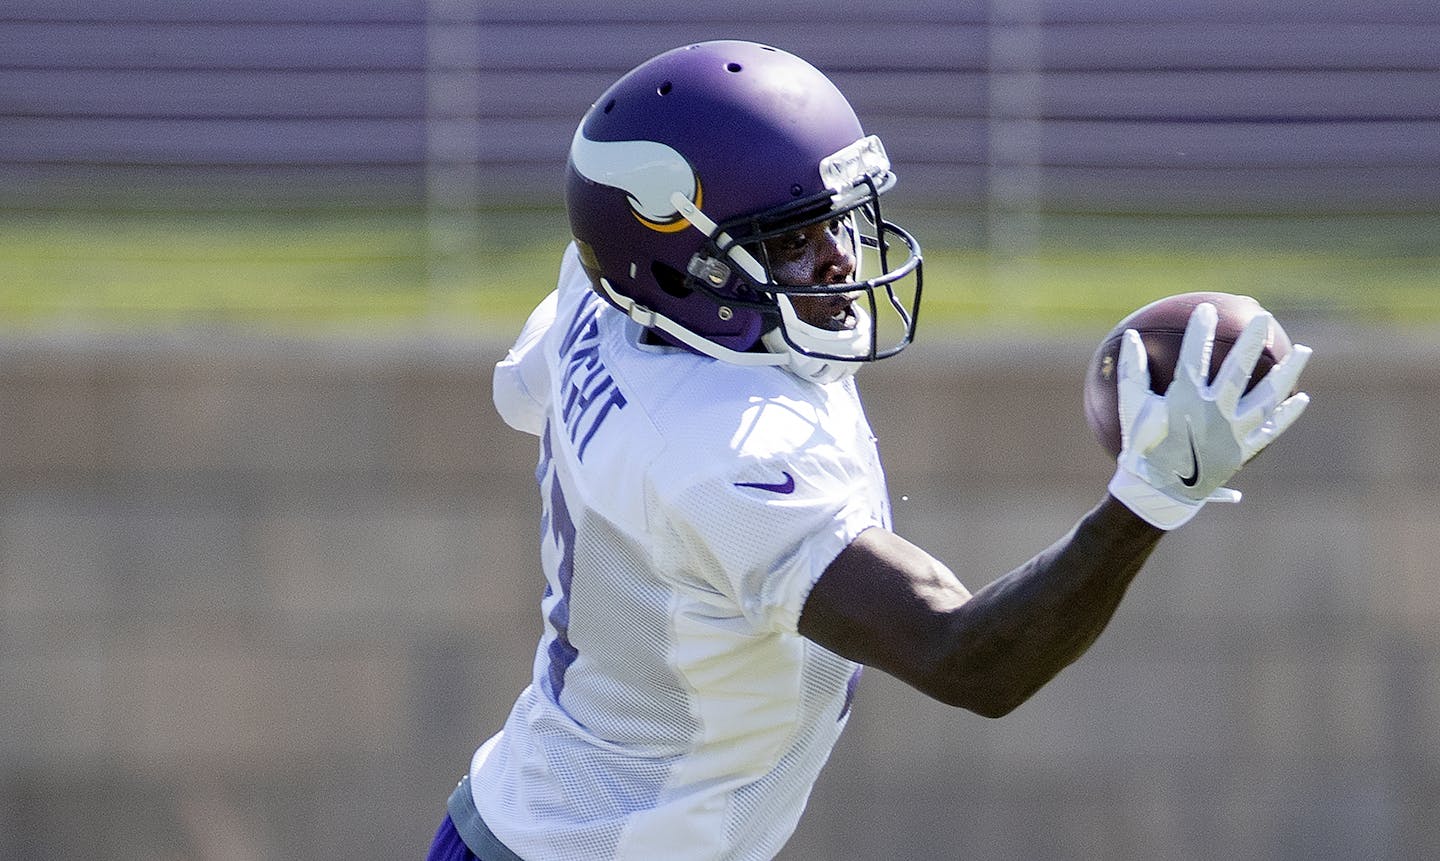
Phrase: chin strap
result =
(781, 355)
(818, 340)
(805, 367)
(655, 320)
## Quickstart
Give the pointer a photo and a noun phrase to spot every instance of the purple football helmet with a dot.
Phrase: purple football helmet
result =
(685, 166)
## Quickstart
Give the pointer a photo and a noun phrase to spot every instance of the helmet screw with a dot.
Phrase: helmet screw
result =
(726, 313)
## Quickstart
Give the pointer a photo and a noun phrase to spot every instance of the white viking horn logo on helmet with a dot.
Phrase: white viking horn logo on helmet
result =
(649, 172)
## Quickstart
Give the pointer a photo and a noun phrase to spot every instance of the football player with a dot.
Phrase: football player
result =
(716, 534)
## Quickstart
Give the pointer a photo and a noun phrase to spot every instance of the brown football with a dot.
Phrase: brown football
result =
(1161, 325)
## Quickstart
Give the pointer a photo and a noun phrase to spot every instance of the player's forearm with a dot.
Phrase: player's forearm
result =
(1018, 632)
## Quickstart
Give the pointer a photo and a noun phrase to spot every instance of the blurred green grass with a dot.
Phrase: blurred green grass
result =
(402, 269)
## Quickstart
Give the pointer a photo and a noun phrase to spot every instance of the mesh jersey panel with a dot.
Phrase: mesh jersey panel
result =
(689, 506)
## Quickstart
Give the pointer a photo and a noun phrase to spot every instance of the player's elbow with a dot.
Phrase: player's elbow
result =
(985, 700)
(974, 688)
(994, 706)
(980, 674)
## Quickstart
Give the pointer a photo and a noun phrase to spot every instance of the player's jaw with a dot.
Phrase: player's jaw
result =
(833, 312)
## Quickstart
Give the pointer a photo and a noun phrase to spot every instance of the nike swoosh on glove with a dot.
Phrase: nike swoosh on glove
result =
(1178, 449)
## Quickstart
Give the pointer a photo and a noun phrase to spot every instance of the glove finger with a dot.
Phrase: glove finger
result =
(1278, 383)
(1132, 382)
(1282, 379)
(1240, 362)
(1289, 410)
(1196, 346)
(1250, 417)
(1259, 401)
(1279, 420)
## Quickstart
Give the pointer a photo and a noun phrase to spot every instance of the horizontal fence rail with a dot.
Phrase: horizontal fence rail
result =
(1221, 106)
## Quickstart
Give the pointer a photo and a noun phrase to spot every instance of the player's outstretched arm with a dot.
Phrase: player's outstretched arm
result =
(886, 603)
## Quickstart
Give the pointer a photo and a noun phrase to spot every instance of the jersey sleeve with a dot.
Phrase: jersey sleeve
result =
(521, 386)
(764, 532)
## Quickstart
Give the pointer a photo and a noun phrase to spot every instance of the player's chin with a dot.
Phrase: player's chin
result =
(844, 321)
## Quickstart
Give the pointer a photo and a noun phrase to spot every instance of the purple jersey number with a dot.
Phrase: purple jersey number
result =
(561, 529)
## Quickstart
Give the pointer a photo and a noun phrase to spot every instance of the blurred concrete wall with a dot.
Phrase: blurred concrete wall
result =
(260, 599)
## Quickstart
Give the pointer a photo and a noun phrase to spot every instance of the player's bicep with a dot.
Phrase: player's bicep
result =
(886, 603)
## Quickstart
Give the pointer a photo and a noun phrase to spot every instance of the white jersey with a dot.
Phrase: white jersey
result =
(689, 507)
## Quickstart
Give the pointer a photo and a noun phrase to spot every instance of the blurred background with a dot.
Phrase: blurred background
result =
(268, 562)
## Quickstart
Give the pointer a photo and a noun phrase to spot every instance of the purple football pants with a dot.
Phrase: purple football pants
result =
(447, 845)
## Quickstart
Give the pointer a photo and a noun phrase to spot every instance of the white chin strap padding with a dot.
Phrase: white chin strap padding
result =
(814, 339)
(807, 367)
(835, 342)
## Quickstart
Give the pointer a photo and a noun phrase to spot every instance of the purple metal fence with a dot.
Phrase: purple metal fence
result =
(1220, 106)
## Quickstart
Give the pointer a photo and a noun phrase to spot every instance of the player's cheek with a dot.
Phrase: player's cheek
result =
(792, 272)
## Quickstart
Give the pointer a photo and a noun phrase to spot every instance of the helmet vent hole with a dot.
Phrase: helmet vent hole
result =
(609, 106)
(664, 89)
(732, 67)
(796, 190)
(670, 279)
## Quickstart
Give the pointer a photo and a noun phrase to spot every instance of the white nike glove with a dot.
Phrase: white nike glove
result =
(1177, 450)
